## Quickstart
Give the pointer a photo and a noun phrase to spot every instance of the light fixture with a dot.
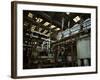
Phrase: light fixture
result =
(57, 29)
(46, 23)
(40, 29)
(52, 26)
(35, 42)
(39, 20)
(30, 15)
(36, 18)
(49, 34)
(27, 34)
(67, 13)
(25, 41)
(26, 23)
(76, 19)
(32, 28)
(45, 31)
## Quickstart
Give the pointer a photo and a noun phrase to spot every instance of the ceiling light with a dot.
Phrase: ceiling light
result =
(36, 18)
(45, 31)
(25, 41)
(26, 23)
(27, 33)
(49, 34)
(30, 15)
(52, 26)
(35, 42)
(32, 28)
(39, 20)
(40, 29)
(46, 23)
(57, 29)
(76, 19)
(67, 13)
